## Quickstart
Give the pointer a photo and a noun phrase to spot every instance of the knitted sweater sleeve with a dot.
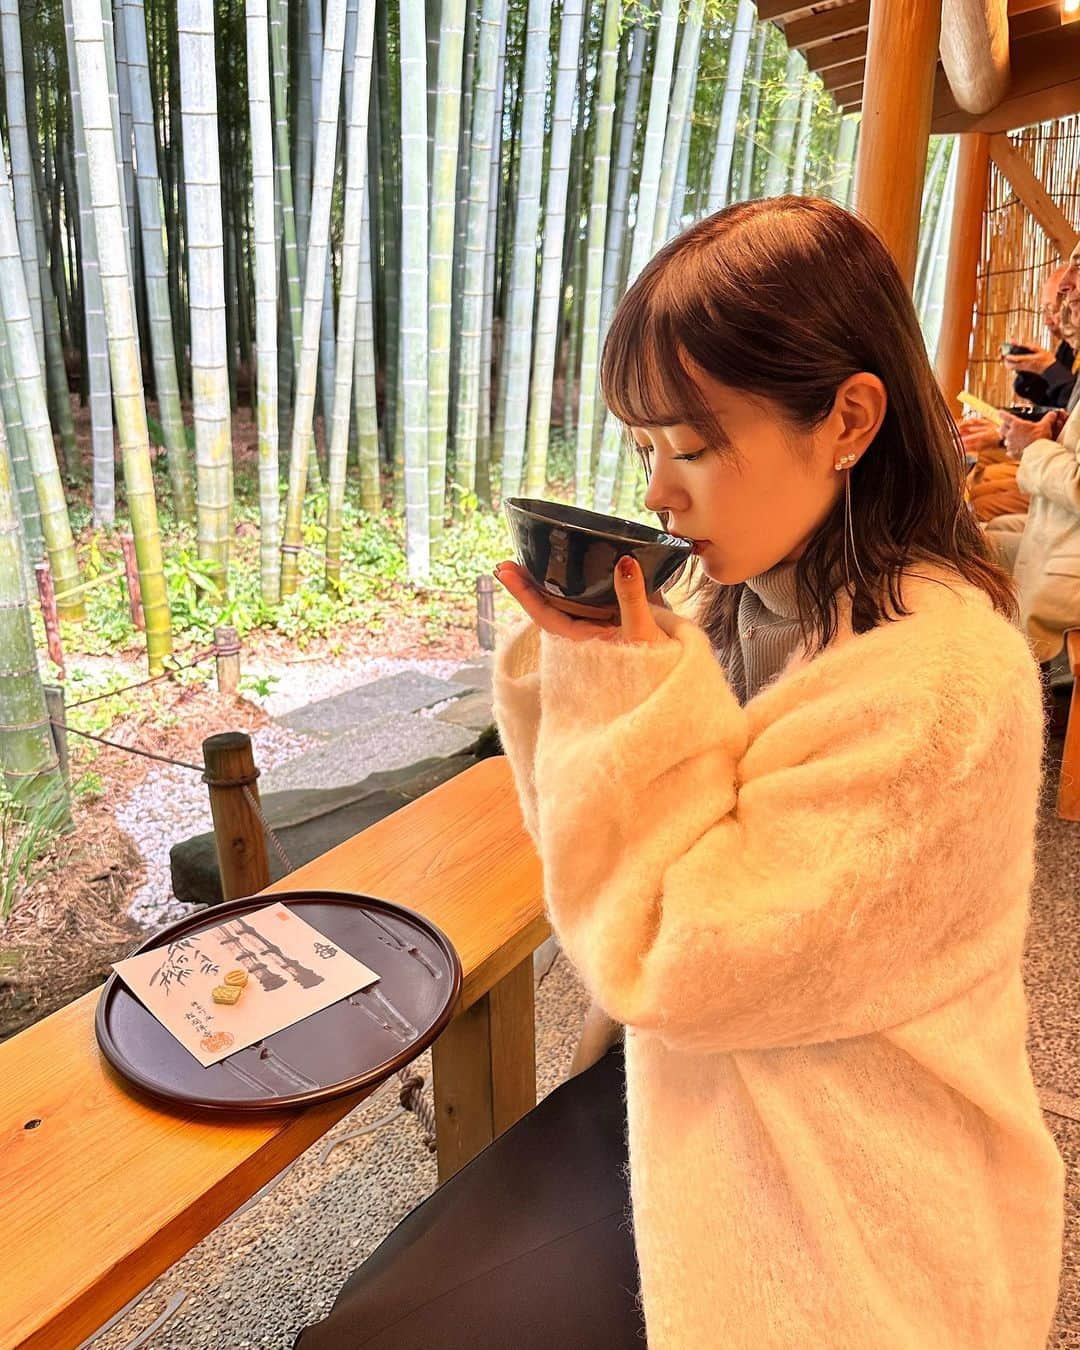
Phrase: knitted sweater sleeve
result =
(730, 883)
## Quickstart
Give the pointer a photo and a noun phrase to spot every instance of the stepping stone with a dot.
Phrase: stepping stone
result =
(477, 674)
(404, 693)
(473, 711)
(388, 742)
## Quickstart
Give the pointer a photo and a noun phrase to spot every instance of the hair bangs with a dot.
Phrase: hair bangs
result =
(644, 376)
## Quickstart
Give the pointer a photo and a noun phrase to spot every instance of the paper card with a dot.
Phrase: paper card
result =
(293, 971)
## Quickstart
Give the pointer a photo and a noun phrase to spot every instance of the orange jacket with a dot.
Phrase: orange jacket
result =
(991, 487)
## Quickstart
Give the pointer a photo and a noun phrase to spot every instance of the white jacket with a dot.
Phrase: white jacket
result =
(1047, 567)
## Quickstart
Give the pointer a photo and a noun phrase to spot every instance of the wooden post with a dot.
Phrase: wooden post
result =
(484, 1069)
(901, 56)
(227, 656)
(485, 612)
(131, 571)
(47, 596)
(965, 245)
(54, 705)
(238, 831)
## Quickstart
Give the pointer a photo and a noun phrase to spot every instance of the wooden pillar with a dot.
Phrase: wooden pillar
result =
(238, 829)
(965, 243)
(901, 55)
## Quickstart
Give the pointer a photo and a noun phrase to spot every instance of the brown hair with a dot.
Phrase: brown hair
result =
(785, 299)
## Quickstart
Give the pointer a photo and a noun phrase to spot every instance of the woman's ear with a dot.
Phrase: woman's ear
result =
(858, 412)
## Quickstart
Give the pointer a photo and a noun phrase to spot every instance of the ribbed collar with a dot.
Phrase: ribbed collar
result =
(776, 590)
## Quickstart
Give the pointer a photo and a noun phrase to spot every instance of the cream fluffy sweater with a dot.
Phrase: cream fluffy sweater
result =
(810, 913)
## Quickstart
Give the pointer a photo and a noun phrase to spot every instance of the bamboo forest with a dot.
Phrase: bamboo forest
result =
(293, 331)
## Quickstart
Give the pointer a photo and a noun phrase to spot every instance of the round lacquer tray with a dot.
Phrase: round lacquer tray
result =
(355, 1043)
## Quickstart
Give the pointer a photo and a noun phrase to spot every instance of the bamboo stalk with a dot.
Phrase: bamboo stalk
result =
(30, 386)
(206, 282)
(355, 174)
(414, 287)
(123, 350)
(266, 297)
(314, 282)
(27, 753)
(551, 263)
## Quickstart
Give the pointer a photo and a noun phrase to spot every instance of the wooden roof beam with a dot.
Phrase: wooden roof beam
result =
(1044, 84)
(1033, 21)
(837, 52)
(851, 72)
(975, 52)
(1032, 193)
(833, 23)
(778, 10)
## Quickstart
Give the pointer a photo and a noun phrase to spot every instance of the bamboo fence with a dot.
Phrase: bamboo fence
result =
(1017, 255)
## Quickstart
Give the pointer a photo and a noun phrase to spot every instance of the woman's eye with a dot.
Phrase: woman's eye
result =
(690, 459)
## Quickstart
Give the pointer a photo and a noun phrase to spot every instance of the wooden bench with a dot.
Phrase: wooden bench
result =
(1068, 803)
(101, 1191)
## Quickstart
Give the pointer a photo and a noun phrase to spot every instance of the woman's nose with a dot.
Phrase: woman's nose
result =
(663, 495)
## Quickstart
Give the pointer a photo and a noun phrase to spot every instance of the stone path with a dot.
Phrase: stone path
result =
(390, 723)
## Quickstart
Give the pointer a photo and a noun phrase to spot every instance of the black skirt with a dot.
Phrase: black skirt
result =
(528, 1247)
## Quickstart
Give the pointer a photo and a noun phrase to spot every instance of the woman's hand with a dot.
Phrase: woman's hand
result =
(636, 622)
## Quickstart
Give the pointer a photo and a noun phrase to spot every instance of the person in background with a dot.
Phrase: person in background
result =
(992, 487)
(1042, 548)
(1043, 377)
(1015, 435)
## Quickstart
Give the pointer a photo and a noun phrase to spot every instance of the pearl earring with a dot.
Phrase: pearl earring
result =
(844, 461)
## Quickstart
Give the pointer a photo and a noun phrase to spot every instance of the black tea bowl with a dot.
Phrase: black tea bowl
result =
(571, 554)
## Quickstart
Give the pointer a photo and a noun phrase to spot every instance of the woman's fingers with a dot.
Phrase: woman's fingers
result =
(521, 586)
(636, 618)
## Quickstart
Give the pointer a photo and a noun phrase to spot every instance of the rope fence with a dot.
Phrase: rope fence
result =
(141, 684)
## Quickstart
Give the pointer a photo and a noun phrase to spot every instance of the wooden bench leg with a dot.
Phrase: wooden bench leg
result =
(484, 1067)
(1068, 803)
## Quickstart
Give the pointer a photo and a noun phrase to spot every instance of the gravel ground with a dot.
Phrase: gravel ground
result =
(172, 804)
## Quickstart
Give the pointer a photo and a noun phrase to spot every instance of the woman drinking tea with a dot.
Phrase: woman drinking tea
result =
(788, 846)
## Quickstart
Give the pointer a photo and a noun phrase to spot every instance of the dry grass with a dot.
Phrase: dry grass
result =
(65, 933)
